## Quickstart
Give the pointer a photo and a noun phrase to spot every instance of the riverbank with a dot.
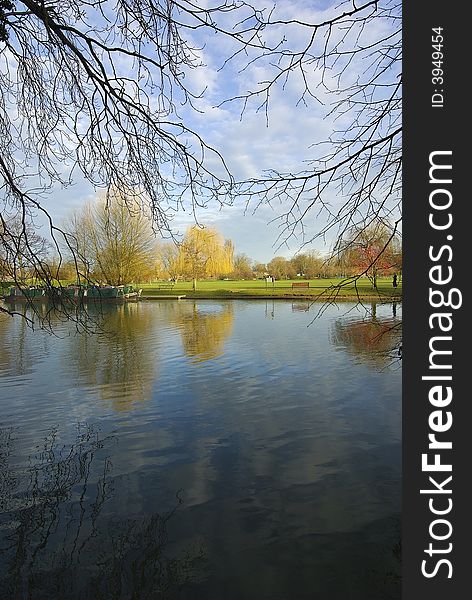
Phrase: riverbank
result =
(245, 296)
(322, 290)
(318, 289)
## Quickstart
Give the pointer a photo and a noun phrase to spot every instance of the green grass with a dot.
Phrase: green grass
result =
(249, 288)
(280, 289)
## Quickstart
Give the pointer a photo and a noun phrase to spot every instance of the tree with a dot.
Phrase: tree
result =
(242, 267)
(369, 250)
(348, 59)
(92, 88)
(260, 269)
(280, 268)
(23, 252)
(308, 264)
(228, 258)
(397, 256)
(204, 253)
(114, 240)
(169, 256)
(62, 269)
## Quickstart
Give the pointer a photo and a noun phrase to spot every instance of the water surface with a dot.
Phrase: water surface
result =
(202, 450)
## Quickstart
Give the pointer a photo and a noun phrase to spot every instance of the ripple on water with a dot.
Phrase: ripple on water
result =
(270, 437)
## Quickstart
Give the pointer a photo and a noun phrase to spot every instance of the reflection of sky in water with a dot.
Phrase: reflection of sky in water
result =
(285, 445)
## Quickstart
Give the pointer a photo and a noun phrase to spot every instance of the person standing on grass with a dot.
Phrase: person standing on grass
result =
(394, 280)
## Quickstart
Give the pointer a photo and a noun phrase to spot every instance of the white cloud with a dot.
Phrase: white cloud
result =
(250, 145)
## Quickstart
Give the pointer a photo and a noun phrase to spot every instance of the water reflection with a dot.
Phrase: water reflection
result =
(371, 338)
(118, 349)
(6, 352)
(57, 543)
(269, 309)
(288, 452)
(301, 305)
(203, 332)
(121, 360)
(15, 354)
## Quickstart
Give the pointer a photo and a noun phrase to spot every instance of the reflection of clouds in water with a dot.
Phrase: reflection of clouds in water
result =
(301, 306)
(55, 542)
(284, 447)
(306, 427)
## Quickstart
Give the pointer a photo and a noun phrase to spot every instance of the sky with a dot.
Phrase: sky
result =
(251, 143)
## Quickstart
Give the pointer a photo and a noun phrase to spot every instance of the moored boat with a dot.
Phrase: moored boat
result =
(74, 293)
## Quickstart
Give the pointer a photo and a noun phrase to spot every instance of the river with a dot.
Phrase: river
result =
(223, 450)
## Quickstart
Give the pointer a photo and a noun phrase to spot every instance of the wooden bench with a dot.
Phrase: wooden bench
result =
(301, 284)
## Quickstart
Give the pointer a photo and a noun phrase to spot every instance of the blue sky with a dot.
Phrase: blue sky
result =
(250, 144)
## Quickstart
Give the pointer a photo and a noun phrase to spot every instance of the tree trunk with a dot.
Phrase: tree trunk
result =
(194, 284)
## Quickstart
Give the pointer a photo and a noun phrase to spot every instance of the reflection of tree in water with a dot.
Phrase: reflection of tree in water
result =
(6, 352)
(54, 543)
(15, 354)
(204, 333)
(20, 349)
(371, 339)
(119, 362)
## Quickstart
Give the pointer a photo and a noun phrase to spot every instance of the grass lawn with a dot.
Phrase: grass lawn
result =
(323, 288)
(250, 288)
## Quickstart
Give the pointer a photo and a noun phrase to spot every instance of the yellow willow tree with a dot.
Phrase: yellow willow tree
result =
(204, 253)
(114, 240)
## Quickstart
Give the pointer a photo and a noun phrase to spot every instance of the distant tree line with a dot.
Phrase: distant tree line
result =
(112, 241)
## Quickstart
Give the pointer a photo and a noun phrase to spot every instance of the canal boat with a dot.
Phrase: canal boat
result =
(74, 293)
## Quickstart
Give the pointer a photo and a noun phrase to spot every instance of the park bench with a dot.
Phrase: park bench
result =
(301, 284)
